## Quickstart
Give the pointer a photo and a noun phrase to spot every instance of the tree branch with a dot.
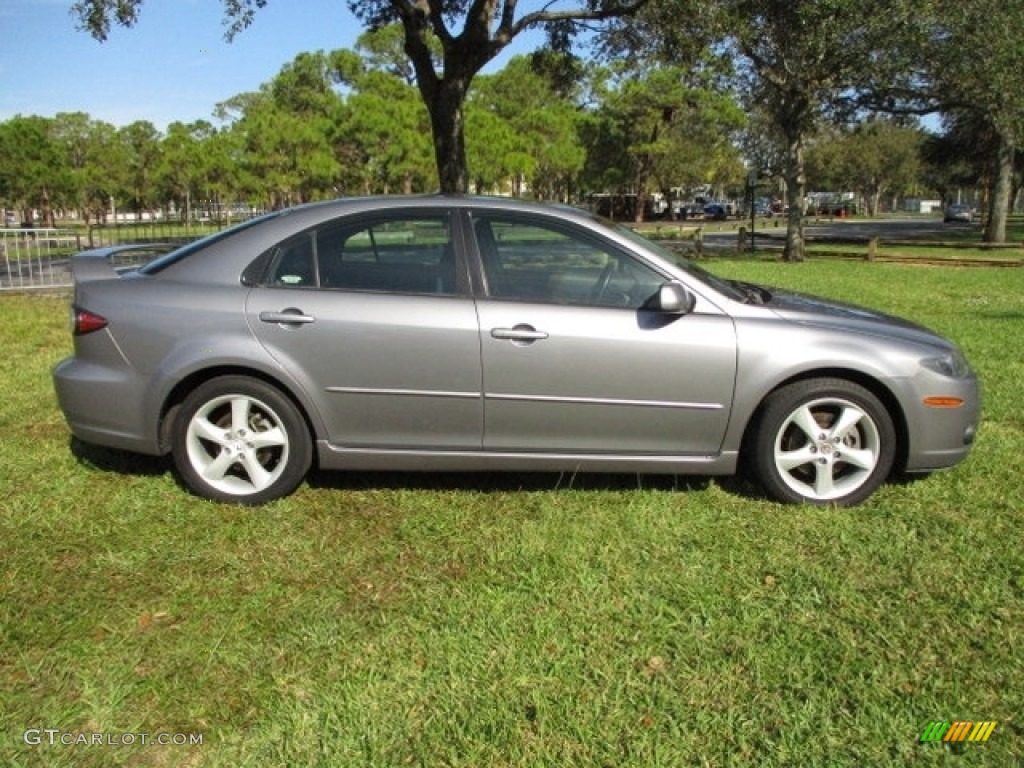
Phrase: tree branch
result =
(415, 18)
(542, 16)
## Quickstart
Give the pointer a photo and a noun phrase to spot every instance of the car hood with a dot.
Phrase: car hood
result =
(814, 310)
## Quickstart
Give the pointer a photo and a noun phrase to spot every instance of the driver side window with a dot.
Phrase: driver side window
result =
(533, 261)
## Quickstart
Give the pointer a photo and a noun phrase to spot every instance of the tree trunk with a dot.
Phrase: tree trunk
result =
(999, 206)
(47, 209)
(640, 206)
(876, 202)
(449, 133)
(795, 192)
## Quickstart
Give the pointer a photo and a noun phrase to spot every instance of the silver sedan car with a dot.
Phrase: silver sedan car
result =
(462, 333)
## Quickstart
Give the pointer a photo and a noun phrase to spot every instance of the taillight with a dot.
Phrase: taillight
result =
(84, 321)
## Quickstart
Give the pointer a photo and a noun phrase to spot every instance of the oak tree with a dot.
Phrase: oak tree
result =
(800, 62)
(470, 33)
(29, 173)
(976, 58)
(872, 158)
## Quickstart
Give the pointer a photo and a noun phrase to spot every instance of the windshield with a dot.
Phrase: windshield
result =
(722, 286)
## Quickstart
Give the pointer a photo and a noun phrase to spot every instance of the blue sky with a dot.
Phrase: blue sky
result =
(173, 65)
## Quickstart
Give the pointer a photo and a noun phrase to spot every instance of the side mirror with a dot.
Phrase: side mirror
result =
(672, 299)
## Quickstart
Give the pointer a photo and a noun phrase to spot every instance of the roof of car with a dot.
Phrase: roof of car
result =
(259, 232)
(436, 200)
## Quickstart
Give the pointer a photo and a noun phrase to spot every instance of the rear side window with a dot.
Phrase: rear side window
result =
(408, 254)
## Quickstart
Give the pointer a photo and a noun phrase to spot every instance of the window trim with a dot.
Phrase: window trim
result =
(568, 229)
(265, 262)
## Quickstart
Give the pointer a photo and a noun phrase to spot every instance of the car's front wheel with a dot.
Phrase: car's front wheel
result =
(238, 439)
(823, 441)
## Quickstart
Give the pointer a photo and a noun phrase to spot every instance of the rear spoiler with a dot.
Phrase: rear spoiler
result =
(115, 260)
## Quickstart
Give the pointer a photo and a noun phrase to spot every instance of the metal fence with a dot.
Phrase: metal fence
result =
(36, 258)
(40, 258)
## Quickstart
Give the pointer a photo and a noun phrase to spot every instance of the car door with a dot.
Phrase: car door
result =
(374, 318)
(571, 360)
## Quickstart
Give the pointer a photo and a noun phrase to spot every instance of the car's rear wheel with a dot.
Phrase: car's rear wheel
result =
(238, 439)
(823, 441)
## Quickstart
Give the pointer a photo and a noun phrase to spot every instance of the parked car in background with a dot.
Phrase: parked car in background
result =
(464, 333)
(958, 213)
(692, 212)
(715, 212)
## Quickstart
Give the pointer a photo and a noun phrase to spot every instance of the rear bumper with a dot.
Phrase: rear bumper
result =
(101, 406)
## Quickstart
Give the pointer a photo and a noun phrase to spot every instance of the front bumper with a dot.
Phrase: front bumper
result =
(941, 437)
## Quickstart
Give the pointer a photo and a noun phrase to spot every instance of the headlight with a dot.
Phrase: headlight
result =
(952, 364)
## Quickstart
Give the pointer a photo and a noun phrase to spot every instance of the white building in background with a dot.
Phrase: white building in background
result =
(920, 205)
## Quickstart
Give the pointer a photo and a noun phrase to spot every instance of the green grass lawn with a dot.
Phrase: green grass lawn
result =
(524, 620)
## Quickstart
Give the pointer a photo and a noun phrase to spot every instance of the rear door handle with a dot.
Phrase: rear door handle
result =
(522, 333)
(290, 316)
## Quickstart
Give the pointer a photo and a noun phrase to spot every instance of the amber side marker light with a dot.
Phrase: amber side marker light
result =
(943, 402)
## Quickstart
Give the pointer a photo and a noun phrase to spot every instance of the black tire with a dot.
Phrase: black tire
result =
(239, 439)
(822, 441)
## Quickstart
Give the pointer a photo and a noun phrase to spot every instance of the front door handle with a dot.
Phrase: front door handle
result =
(523, 333)
(289, 316)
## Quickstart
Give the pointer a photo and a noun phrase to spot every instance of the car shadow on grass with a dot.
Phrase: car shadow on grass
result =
(126, 463)
(504, 482)
(119, 462)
